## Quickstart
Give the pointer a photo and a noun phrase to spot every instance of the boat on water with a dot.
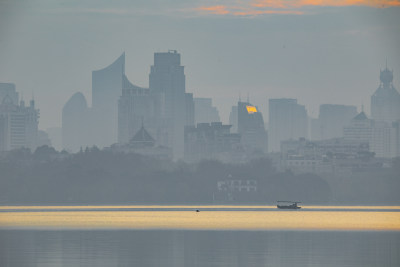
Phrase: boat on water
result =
(290, 205)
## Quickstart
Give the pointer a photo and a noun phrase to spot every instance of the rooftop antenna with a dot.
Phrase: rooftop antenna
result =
(248, 97)
(386, 63)
(240, 98)
(362, 107)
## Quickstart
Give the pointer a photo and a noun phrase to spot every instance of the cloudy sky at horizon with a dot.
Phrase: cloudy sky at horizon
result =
(318, 51)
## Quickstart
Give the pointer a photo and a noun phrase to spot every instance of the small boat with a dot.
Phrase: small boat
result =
(290, 205)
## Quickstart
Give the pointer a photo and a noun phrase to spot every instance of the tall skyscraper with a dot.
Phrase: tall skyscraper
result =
(204, 111)
(331, 120)
(107, 87)
(18, 123)
(136, 105)
(167, 83)
(251, 128)
(287, 120)
(385, 102)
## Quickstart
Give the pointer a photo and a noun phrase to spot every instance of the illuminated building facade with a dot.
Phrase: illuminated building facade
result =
(251, 128)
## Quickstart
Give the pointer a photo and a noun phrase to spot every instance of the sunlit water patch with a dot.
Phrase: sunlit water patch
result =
(208, 218)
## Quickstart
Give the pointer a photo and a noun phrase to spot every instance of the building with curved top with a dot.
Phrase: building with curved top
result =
(75, 123)
(107, 84)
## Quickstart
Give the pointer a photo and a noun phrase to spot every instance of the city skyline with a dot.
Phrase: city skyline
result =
(167, 109)
(277, 55)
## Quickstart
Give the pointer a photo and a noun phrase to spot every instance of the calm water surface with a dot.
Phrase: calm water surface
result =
(216, 236)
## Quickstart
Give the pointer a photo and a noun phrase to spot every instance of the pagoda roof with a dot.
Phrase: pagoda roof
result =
(361, 116)
(142, 136)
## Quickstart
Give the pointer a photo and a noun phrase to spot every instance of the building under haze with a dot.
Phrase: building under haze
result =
(136, 105)
(107, 85)
(251, 128)
(167, 85)
(331, 120)
(18, 123)
(385, 102)
(212, 141)
(204, 111)
(381, 136)
(287, 120)
(164, 107)
(233, 119)
(76, 124)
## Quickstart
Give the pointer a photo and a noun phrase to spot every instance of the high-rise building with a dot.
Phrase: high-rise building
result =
(167, 83)
(136, 106)
(287, 120)
(233, 119)
(251, 128)
(107, 87)
(380, 135)
(211, 141)
(189, 110)
(18, 123)
(204, 111)
(76, 124)
(385, 102)
(331, 120)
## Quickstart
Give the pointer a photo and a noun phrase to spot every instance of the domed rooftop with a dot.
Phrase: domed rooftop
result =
(386, 76)
(76, 102)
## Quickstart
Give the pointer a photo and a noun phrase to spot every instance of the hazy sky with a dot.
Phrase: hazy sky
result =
(318, 51)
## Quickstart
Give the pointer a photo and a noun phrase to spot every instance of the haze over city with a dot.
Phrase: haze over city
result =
(200, 133)
(322, 52)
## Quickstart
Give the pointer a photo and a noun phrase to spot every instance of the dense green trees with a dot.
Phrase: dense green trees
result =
(96, 176)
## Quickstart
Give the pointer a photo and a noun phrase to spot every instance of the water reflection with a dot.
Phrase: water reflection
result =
(197, 248)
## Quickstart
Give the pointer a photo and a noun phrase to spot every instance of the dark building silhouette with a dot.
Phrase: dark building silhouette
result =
(251, 128)
(385, 102)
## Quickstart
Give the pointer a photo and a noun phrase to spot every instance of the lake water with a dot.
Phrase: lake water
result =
(215, 236)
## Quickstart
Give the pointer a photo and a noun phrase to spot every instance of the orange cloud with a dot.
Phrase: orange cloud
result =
(262, 12)
(371, 3)
(218, 10)
(260, 7)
